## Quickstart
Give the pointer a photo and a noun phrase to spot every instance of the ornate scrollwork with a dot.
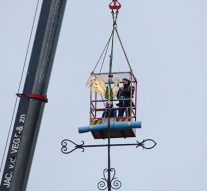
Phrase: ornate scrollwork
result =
(103, 184)
(65, 146)
(109, 179)
(142, 144)
(113, 182)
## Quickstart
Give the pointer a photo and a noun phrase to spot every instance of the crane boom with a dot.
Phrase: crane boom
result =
(32, 100)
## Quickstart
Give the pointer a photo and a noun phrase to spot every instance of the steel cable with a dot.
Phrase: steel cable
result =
(20, 83)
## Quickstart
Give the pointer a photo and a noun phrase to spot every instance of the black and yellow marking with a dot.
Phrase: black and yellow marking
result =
(96, 122)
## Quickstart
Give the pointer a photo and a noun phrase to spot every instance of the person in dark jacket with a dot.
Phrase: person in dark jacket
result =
(124, 95)
(109, 111)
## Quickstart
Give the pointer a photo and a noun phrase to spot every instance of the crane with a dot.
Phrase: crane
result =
(33, 98)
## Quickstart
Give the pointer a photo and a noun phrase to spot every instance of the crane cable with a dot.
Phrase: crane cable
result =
(123, 50)
(20, 83)
(109, 91)
(114, 5)
(103, 53)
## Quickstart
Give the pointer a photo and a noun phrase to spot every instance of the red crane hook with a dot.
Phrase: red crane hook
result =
(114, 5)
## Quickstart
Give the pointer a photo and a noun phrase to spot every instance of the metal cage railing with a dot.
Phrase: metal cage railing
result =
(98, 102)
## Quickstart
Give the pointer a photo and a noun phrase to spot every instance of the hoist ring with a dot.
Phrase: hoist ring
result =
(115, 5)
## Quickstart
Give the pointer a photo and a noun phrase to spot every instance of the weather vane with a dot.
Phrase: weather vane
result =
(106, 120)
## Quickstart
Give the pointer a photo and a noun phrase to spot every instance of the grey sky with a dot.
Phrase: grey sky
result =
(166, 43)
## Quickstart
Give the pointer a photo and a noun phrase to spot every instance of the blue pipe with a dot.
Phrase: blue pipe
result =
(113, 126)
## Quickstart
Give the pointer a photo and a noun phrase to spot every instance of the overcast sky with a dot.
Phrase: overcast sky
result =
(166, 42)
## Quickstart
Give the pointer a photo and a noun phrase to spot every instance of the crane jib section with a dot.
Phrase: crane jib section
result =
(14, 145)
(33, 98)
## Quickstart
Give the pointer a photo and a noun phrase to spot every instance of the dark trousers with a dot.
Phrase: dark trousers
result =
(126, 110)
